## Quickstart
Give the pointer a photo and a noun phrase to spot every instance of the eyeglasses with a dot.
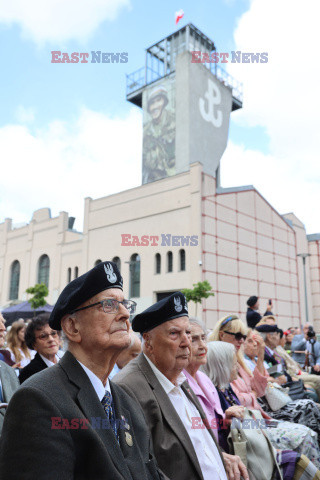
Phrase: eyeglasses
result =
(238, 336)
(45, 336)
(111, 305)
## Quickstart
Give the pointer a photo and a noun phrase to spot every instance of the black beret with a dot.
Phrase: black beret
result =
(252, 301)
(168, 308)
(103, 276)
(265, 328)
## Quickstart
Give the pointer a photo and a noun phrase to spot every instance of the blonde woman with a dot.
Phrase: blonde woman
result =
(17, 346)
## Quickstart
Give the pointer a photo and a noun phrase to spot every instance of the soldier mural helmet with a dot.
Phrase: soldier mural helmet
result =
(158, 92)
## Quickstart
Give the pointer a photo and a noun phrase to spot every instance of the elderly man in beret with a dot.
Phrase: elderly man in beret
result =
(156, 381)
(68, 421)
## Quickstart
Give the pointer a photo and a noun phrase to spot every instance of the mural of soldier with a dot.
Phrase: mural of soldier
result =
(158, 137)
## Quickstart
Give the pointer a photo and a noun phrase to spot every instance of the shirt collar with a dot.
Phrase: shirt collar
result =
(166, 384)
(47, 361)
(98, 386)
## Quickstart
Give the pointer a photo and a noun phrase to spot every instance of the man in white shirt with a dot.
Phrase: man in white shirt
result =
(69, 422)
(155, 379)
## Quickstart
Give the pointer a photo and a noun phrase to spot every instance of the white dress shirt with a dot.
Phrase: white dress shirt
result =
(98, 386)
(206, 450)
(48, 362)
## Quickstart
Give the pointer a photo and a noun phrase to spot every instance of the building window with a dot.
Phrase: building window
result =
(69, 275)
(158, 263)
(182, 260)
(135, 275)
(117, 261)
(97, 262)
(14, 280)
(43, 270)
(169, 262)
(76, 272)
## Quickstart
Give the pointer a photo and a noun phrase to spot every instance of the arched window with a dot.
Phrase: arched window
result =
(69, 275)
(169, 262)
(76, 272)
(135, 275)
(117, 261)
(97, 262)
(14, 280)
(182, 260)
(44, 270)
(158, 263)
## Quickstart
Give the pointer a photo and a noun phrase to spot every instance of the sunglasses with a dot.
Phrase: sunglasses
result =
(238, 336)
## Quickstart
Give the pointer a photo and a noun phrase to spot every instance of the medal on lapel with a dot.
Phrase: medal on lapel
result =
(129, 440)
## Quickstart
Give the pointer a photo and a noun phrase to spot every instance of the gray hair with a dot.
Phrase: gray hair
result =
(220, 358)
(196, 321)
(263, 335)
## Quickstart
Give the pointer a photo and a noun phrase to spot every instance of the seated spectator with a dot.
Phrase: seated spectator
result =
(155, 380)
(311, 381)
(307, 343)
(251, 385)
(45, 341)
(8, 379)
(288, 336)
(253, 316)
(128, 354)
(16, 345)
(221, 369)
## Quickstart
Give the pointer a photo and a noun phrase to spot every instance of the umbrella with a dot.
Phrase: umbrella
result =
(23, 310)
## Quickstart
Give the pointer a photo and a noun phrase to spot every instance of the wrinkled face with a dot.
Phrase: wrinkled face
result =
(21, 334)
(2, 333)
(250, 346)
(169, 345)
(272, 340)
(198, 346)
(102, 331)
(156, 107)
(47, 341)
(129, 354)
(234, 370)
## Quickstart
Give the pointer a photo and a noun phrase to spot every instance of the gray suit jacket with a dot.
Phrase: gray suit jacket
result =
(10, 384)
(31, 448)
(172, 445)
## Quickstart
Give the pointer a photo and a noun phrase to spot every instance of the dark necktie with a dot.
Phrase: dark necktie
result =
(107, 405)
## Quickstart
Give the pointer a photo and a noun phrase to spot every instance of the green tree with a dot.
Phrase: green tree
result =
(39, 292)
(201, 290)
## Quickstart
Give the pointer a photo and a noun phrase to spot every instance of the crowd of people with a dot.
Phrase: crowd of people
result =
(87, 394)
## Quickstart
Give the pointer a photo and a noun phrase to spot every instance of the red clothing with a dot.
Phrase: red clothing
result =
(244, 385)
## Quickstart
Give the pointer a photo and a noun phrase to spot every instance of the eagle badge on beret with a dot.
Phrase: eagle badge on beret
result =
(111, 276)
(177, 304)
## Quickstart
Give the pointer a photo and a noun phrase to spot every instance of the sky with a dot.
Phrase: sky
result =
(67, 131)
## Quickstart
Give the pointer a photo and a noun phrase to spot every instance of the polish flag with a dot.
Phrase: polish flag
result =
(179, 15)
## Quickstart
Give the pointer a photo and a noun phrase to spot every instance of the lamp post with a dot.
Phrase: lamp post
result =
(304, 256)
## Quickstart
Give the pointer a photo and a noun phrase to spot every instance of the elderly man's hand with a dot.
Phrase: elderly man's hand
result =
(316, 368)
(234, 467)
(235, 411)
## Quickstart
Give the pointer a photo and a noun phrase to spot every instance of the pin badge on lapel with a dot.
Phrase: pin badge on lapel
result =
(129, 440)
(125, 424)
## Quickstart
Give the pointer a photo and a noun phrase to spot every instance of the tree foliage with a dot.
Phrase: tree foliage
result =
(39, 292)
(201, 290)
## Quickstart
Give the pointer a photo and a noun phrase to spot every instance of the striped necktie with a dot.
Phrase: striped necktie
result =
(108, 408)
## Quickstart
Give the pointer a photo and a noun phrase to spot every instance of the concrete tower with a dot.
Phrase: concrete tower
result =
(186, 105)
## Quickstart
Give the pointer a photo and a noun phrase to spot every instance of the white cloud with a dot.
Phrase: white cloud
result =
(25, 115)
(282, 97)
(62, 163)
(58, 21)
